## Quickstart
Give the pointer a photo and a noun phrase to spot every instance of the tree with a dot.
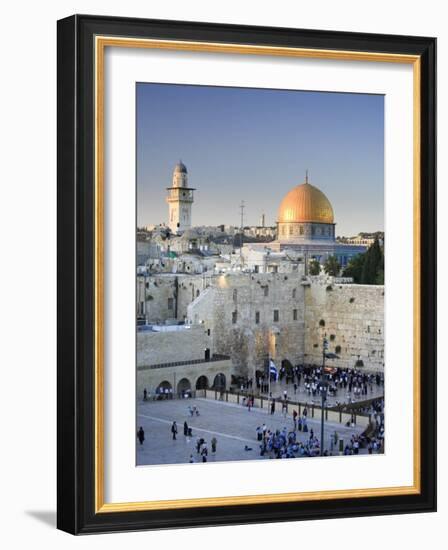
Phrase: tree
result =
(354, 268)
(314, 267)
(373, 264)
(332, 266)
(367, 268)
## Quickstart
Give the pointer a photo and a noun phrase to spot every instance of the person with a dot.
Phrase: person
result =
(294, 418)
(191, 459)
(204, 452)
(336, 437)
(199, 443)
(174, 429)
(145, 395)
(185, 428)
(273, 407)
(141, 435)
(214, 443)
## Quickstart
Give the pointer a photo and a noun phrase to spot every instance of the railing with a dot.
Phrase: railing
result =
(313, 411)
(214, 358)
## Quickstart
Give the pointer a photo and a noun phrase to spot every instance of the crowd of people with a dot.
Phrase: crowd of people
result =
(351, 384)
(293, 443)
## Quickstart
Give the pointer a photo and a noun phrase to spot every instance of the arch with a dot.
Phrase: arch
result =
(202, 383)
(183, 386)
(219, 383)
(164, 390)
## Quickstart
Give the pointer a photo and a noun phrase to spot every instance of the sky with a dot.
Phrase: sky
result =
(255, 145)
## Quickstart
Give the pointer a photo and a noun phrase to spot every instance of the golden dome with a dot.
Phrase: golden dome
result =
(305, 203)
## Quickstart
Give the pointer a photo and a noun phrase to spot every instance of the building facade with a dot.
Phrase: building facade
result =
(180, 200)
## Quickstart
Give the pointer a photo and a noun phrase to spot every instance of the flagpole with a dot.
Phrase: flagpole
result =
(269, 379)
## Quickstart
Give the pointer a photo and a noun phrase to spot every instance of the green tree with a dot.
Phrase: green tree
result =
(367, 268)
(332, 266)
(354, 268)
(314, 267)
(373, 264)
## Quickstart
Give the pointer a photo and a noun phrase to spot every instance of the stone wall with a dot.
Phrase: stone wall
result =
(351, 317)
(168, 296)
(186, 344)
(183, 376)
(240, 312)
(224, 310)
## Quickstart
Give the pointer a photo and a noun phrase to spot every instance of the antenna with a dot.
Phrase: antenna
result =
(242, 207)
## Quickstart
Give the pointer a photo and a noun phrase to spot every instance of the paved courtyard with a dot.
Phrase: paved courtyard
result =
(233, 426)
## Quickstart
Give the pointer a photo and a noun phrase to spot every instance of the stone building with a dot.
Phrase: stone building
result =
(252, 317)
(305, 223)
(180, 200)
(206, 316)
(179, 359)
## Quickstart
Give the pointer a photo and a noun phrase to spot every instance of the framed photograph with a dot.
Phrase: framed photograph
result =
(246, 274)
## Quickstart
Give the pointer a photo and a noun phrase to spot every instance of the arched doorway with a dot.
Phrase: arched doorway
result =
(288, 370)
(184, 387)
(219, 383)
(202, 383)
(164, 390)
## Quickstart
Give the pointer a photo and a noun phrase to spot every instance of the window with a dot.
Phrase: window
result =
(275, 315)
(290, 229)
(256, 269)
(208, 332)
(235, 294)
(294, 314)
(301, 229)
(266, 290)
(170, 303)
(234, 317)
(257, 317)
(294, 291)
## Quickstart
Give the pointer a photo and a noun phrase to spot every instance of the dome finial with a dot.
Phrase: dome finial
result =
(306, 175)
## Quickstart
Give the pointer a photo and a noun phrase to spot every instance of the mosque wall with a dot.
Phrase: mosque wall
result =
(351, 317)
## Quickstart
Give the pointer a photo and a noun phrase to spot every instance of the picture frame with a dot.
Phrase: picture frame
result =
(82, 41)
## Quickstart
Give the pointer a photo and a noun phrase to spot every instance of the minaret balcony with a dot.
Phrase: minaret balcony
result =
(176, 194)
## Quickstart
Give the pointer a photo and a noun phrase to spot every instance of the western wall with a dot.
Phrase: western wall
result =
(250, 316)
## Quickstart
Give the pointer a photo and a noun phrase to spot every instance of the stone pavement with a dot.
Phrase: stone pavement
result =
(233, 426)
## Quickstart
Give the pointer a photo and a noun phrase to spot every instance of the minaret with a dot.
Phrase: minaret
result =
(179, 199)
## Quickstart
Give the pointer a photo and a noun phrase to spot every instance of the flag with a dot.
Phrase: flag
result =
(273, 369)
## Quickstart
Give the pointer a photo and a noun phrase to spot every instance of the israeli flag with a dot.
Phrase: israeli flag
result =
(273, 369)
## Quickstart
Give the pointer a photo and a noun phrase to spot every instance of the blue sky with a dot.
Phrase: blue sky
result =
(255, 145)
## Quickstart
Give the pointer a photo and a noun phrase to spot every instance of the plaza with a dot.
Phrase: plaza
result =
(232, 424)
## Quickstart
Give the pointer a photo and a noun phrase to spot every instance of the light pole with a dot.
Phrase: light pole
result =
(323, 389)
